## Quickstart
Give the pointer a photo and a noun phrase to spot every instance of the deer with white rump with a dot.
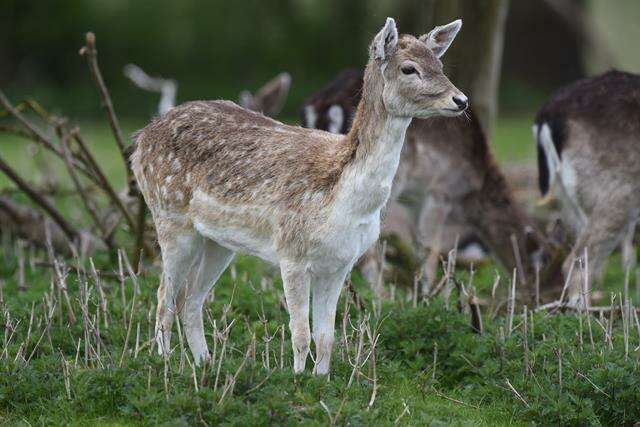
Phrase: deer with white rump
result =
(448, 186)
(220, 179)
(588, 138)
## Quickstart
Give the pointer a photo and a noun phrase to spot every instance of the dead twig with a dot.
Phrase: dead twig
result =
(91, 54)
(518, 395)
(38, 135)
(105, 184)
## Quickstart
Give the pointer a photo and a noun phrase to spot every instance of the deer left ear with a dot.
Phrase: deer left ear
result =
(385, 42)
(439, 39)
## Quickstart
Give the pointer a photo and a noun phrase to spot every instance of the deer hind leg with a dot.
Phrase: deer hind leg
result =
(326, 291)
(295, 281)
(371, 270)
(431, 222)
(603, 232)
(629, 257)
(178, 249)
(213, 260)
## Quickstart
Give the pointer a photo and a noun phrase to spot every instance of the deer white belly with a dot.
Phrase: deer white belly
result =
(230, 226)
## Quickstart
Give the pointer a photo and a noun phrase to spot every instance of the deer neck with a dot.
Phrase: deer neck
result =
(506, 228)
(377, 138)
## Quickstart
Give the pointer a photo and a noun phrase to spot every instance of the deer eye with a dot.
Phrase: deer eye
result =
(409, 69)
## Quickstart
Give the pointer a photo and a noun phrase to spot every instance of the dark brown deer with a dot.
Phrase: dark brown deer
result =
(455, 184)
(588, 139)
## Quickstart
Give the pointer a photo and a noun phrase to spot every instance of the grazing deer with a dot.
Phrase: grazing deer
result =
(588, 139)
(451, 186)
(221, 179)
(268, 100)
(333, 107)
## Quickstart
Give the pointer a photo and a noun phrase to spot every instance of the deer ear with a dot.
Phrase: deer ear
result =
(385, 42)
(272, 96)
(246, 100)
(439, 39)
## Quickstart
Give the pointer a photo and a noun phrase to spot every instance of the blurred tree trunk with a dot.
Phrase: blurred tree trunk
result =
(475, 57)
(578, 16)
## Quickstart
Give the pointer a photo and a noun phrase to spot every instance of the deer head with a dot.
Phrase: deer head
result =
(415, 85)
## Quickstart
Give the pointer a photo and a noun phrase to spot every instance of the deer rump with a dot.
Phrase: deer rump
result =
(588, 141)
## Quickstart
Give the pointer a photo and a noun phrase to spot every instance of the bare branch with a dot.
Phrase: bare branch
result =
(37, 133)
(91, 54)
(106, 185)
(82, 191)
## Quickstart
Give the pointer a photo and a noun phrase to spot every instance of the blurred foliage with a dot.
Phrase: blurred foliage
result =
(213, 49)
(217, 48)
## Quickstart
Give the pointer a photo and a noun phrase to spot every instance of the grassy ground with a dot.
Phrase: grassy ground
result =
(87, 360)
(76, 347)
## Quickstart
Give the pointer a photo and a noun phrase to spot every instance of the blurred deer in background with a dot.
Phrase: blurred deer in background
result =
(448, 189)
(268, 100)
(221, 179)
(167, 88)
(588, 139)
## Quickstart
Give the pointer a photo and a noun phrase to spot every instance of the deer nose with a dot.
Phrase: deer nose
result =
(461, 101)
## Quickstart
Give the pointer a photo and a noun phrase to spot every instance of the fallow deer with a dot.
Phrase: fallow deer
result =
(449, 184)
(588, 139)
(268, 100)
(221, 179)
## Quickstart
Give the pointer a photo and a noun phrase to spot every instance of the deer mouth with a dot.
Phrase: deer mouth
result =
(452, 111)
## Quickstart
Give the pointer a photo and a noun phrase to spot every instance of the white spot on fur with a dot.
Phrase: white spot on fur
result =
(168, 179)
(188, 177)
(176, 165)
(179, 196)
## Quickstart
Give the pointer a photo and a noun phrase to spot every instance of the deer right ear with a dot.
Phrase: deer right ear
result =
(385, 42)
(439, 39)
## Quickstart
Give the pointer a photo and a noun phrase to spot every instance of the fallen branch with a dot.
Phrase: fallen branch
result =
(67, 228)
(451, 399)
(30, 225)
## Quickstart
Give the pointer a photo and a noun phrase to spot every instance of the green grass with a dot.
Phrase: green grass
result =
(467, 386)
(512, 139)
(65, 381)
